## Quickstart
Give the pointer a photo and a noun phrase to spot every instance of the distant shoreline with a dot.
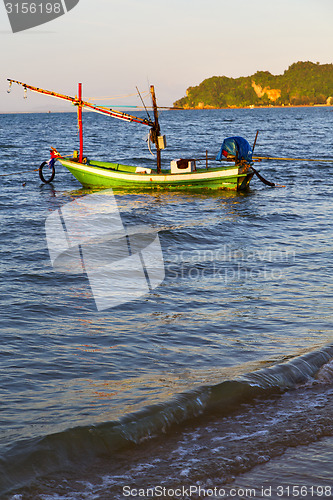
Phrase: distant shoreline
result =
(288, 106)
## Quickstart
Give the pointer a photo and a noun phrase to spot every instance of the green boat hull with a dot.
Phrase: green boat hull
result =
(95, 174)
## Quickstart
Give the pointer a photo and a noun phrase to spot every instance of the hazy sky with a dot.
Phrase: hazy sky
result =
(112, 46)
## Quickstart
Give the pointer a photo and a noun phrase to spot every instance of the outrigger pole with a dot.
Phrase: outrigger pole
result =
(77, 101)
(85, 104)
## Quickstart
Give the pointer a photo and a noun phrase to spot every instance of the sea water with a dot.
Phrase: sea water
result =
(218, 382)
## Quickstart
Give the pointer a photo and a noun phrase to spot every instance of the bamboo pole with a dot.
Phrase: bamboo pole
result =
(292, 159)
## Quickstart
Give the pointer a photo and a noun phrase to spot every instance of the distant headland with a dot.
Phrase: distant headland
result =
(302, 84)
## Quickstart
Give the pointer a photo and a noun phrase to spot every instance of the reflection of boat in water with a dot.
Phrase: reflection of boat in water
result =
(183, 173)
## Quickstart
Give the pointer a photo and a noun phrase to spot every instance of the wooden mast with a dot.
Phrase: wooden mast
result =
(156, 129)
(79, 116)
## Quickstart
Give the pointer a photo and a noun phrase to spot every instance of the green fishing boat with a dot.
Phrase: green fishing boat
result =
(115, 175)
(184, 174)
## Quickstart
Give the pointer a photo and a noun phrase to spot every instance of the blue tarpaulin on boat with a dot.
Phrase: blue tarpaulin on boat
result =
(236, 146)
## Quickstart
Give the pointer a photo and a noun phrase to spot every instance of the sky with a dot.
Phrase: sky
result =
(114, 46)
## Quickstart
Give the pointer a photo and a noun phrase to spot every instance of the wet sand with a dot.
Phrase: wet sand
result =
(302, 472)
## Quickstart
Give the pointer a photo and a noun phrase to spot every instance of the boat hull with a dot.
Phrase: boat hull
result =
(115, 175)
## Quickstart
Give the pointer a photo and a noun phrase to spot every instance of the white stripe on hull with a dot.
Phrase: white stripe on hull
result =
(195, 176)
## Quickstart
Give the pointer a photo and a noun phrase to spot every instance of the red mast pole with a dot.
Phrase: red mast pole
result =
(79, 115)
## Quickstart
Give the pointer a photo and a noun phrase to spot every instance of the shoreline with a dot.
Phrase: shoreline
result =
(256, 107)
(180, 109)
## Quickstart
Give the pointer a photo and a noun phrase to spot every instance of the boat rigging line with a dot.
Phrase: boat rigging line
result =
(143, 103)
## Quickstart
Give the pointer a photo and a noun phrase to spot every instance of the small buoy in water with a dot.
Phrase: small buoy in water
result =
(23, 184)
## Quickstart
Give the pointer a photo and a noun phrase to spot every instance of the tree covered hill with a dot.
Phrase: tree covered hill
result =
(303, 83)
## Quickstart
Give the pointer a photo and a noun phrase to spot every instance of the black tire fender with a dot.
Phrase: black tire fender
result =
(40, 171)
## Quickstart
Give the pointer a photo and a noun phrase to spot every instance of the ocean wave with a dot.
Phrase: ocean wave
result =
(33, 458)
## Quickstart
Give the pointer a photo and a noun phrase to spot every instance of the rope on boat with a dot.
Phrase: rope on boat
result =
(18, 173)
